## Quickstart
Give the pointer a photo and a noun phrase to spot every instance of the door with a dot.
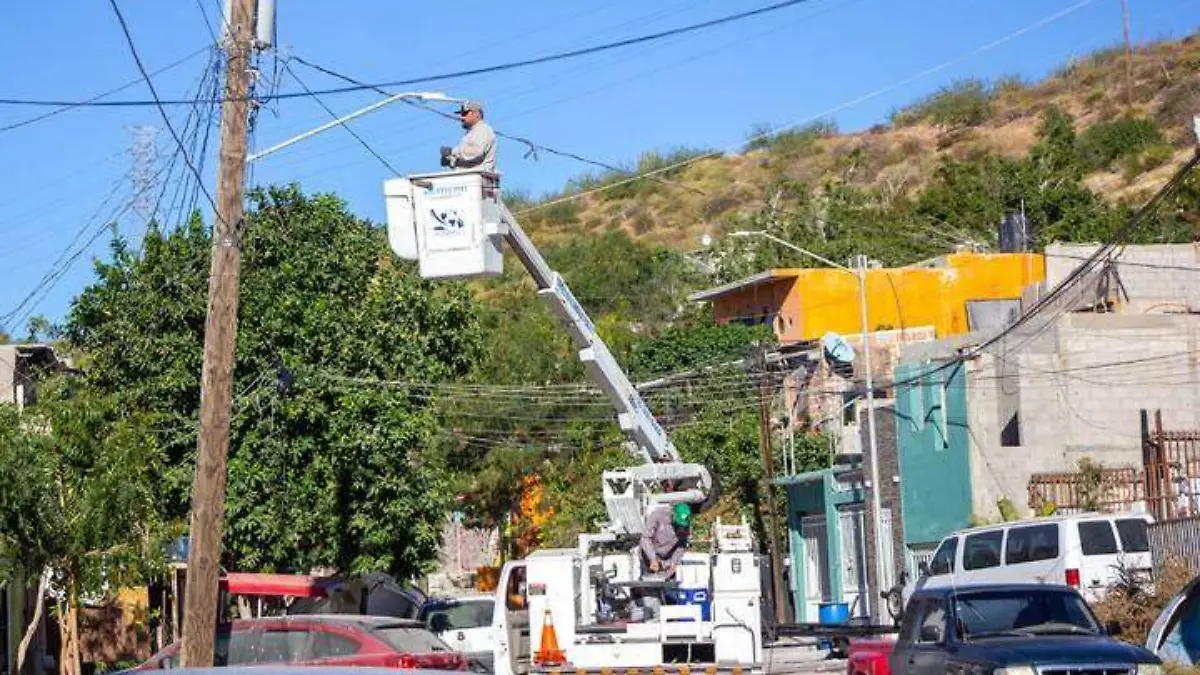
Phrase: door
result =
(1101, 555)
(925, 654)
(510, 623)
(816, 565)
(854, 557)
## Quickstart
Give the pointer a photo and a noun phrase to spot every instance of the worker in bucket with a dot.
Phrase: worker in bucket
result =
(665, 539)
(477, 149)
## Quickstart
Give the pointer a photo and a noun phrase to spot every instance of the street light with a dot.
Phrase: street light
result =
(402, 96)
(860, 273)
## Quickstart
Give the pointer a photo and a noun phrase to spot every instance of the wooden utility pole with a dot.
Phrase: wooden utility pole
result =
(1128, 56)
(220, 338)
(768, 492)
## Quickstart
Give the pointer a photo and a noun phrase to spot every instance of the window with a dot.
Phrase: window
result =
(515, 590)
(943, 560)
(933, 624)
(327, 645)
(982, 550)
(1032, 611)
(1030, 544)
(1096, 538)
(410, 639)
(1134, 538)
(441, 617)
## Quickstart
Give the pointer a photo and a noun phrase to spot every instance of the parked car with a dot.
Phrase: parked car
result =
(464, 623)
(330, 640)
(1086, 551)
(1008, 629)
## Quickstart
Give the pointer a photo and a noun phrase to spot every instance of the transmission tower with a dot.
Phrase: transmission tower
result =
(143, 149)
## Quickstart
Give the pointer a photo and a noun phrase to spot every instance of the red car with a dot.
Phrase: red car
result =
(329, 640)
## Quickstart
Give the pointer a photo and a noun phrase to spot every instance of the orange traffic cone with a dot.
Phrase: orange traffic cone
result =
(548, 653)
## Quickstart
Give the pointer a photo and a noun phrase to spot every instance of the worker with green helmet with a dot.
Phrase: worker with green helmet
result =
(665, 538)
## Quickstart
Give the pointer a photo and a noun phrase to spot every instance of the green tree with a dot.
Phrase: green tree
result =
(77, 472)
(337, 472)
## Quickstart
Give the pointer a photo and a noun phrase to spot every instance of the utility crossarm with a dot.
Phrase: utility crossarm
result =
(425, 212)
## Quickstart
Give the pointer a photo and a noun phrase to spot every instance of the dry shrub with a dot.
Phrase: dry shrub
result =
(1135, 605)
(1180, 669)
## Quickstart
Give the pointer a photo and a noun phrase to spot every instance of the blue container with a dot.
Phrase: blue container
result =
(692, 596)
(833, 612)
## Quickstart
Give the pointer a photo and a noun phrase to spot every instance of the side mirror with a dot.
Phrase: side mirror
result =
(1113, 628)
(931, 634)
(923, 568)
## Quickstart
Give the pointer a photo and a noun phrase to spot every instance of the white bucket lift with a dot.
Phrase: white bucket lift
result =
(448, 222)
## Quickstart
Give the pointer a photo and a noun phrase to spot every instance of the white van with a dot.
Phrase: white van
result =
(1086, 551)
(465, 623)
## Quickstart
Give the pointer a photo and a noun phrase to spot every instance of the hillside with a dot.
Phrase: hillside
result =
(895, 161)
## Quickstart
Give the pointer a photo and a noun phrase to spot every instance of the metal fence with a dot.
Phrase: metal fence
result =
(1166, 485)
(1179, 539)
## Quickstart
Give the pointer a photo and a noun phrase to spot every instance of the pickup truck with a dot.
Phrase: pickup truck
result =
(1010, 629)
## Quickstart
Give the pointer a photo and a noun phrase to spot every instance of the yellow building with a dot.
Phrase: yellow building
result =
(955, 294)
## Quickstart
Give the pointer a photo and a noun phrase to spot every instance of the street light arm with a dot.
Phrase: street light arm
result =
(419, 95)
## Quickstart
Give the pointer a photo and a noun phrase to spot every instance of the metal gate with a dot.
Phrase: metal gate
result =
(816, 565)
(854, 557)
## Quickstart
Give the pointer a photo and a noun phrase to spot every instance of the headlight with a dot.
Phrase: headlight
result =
(1149, 669)
(1023, 670)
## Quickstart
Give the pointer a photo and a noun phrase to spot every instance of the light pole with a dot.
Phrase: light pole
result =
(860, 273)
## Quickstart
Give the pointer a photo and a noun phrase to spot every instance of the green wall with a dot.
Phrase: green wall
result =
(934, 449)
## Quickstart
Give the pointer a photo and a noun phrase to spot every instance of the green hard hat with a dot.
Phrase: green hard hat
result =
(681, 515)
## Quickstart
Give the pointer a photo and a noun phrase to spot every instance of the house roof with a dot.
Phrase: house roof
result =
(748, 282)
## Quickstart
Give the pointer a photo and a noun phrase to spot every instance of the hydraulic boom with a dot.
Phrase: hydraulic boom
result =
(452, 224)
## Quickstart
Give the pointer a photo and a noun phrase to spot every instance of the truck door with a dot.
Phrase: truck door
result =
(922, 647)
(510, 622)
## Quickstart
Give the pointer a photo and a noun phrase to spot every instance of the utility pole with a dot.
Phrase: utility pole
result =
(768, 480)
(876, 507)
(220, 338)
(1128, 56)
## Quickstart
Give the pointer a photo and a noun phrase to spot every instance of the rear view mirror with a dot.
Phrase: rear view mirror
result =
(1113, 628)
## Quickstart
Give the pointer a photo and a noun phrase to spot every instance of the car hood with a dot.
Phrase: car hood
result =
(1051, 649)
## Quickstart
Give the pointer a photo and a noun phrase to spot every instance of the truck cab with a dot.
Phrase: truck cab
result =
(606, 613)
(1010, 629)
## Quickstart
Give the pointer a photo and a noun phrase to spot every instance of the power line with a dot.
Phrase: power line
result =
(511, 65)
(69, 106)
(826, 113)
(345, 125)
(159, 106)
(533, 147)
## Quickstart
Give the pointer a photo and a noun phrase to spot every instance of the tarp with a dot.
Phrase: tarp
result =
(294, 585)
(1175, 635)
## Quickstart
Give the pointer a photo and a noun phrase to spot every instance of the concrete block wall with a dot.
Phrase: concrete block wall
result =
(1082, 400)
(1157, 277)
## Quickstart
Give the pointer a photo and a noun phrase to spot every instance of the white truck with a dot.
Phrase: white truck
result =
(606, 613)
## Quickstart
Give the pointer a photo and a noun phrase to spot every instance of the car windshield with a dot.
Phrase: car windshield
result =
(442, 617)
(1023, 612)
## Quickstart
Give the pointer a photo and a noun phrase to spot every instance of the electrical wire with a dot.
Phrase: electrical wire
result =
(68, 106)
(512, 65)
(287, 67)
(159, 106)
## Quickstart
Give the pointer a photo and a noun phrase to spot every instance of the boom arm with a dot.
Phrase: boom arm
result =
(452, 223)
(635, 417)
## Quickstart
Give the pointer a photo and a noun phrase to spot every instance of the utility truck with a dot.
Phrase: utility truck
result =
(592, 607)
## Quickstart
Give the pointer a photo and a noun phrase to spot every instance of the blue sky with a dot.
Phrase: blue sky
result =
(703, 89)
